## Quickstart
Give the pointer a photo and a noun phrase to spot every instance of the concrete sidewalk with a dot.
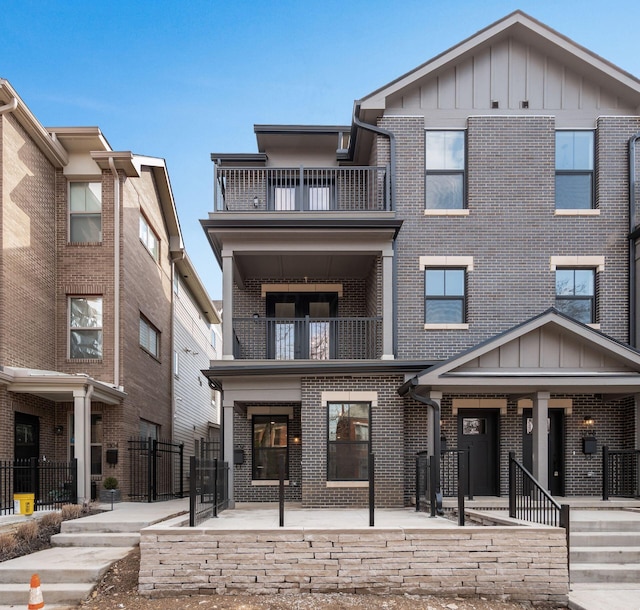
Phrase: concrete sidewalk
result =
(87, 548)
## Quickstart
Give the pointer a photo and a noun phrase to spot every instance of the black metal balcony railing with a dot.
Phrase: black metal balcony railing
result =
(302, 189)
(307, 338)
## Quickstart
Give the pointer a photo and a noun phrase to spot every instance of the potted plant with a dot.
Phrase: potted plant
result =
(110, 491)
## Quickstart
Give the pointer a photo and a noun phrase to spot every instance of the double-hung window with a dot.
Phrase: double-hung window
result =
(574, 170)
(149, 337)
(349, 441)
(576, 294)
(445, 170)
(270, 446)
(85, 327)
(85, 212)
(444, 300)
(149, 238)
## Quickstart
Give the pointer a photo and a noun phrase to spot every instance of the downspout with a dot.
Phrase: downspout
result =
(116, 272)
(10, 107)
(392, 179)
(409, 388)
(633, 235)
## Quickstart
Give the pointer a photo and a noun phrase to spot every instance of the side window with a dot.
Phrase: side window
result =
(574, 170)
(149, 238)
(149, 337)
(445, 170)
(576, 294)
(444, 300)
(85, 212)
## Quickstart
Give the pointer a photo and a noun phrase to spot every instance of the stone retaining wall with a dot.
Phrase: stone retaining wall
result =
(516, 563)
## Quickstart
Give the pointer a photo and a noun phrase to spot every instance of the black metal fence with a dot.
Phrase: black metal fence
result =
(156, 469)
(208, 489)
(455, 470)
(53, 484)
(620, 473)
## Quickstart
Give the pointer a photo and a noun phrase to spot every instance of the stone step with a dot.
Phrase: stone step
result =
(605, 554)
(605, 539)
(63, 595)
(605, 573)
(62, 564)
(97, 539)
(606, 525)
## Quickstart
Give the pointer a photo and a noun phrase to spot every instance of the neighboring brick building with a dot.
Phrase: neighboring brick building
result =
(452, 268)
(90, 247)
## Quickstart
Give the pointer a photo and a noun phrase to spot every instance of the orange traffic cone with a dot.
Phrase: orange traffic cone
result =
(35, 594)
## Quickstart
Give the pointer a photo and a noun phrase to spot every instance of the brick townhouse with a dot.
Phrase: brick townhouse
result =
(91, 246)
(456, 268)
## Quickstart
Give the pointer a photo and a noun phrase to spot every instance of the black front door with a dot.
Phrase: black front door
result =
(300, 326)
(478, 432)
(26, 445)
(556, 447)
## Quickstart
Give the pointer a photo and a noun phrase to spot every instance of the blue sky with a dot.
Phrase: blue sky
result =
(182, 79)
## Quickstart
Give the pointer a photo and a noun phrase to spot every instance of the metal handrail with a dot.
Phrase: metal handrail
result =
(620, 473)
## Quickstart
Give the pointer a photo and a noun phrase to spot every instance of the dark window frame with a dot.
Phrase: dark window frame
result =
(572, 298)
(446, 171)
(259, 419)
(577, 172)
(343, 443)
(445, 297)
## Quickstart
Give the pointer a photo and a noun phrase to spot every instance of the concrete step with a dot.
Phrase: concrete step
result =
(605, 539)
(605, 554)
(76, 526)
(62, 564)
(97, 539)
(605, 573)
(608, 524)
(65, 594)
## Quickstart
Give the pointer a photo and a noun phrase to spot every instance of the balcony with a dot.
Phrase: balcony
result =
(307, 338)
(302, 189)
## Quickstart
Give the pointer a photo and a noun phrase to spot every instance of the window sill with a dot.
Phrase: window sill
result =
(578, 212)
(347, 483)
(446, 327)
(82, 244)
(268, 483)
(461, 212)
(84, 360)
(594, 326)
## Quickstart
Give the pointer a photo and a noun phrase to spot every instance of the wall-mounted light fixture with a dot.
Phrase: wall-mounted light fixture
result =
(588, 421)
(297, 440)
(256, 202)
(58, 430)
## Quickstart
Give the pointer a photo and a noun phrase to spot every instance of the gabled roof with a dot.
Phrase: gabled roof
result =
(523, 27)
(550, 352)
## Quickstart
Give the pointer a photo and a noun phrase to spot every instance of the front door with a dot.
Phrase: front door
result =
(556, 448)
(26, 445)
(300, 326)
(478, 432)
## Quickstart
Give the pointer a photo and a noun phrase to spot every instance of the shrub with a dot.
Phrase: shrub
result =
(50, 520)
(71, 511)
(8, 544)
(110, 483)
(27, 531)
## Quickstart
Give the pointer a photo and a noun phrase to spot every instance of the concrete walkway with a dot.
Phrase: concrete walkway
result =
(85, 549)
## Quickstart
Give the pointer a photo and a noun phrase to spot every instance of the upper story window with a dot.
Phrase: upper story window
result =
(149, 337)
(311, 189)
(149, 238)
(270, 446)
(85, 327)
(576, 294)
(445, 170)
(444, 301)
(574, 170)
(348, 451)
(85, 212)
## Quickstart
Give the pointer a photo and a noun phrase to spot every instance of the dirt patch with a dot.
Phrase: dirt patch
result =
(119, 591)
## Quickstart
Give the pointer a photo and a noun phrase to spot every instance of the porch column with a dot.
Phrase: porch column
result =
(227, 306)
(82, 441)
(540, 439)
(637, 414)
(227, 435)
(387, 306)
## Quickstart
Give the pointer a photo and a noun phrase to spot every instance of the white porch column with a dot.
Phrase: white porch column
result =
(227, 432)
(227, 307)
(82, 441)
(387, 306)
(541, 438)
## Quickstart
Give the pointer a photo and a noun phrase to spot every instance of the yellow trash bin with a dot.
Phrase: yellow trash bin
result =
(23, 504)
